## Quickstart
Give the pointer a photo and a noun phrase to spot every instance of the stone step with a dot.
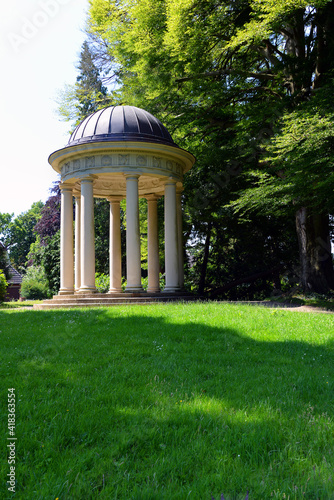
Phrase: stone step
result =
(103, 300)
(124, 295)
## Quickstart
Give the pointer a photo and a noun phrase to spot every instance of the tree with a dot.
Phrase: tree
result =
(228, 77)
(3, 286)
(18, 233)
(49, 223)
(5, 220)
(87, 95)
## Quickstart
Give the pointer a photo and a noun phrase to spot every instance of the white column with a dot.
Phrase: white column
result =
(77, 243)
(133, 257)
(115, 252)
(153, 244)
(180, 237)
(87, 247)
(171, 239)
(66, 241)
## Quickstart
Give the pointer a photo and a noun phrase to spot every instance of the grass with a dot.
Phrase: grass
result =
(17, 304)
(313, 300)
(177, 401)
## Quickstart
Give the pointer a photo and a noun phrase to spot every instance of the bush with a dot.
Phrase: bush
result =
(35, 284)
(3, 286)
(102, 282)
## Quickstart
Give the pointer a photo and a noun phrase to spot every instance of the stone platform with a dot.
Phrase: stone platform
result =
(107, 300)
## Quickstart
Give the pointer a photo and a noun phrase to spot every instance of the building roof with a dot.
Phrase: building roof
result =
(16, 278)
(121, 123)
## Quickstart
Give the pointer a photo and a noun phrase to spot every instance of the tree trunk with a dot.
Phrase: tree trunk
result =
(204, 266)
(325, 45)
(316, 264)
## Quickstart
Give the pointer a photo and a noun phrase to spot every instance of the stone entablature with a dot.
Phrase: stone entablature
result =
(100, 164)
(146, 160)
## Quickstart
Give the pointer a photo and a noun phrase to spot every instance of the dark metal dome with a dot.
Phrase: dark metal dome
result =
(121, 123)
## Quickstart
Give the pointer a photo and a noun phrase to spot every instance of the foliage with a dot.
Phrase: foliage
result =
(101, 226)
(50, 260)
(5, 222)
(4, 261)
(3, 286)
(303, 142)
(193, 399)
(34, 284)
(243, 85)
(18, 233)
(49, 223)
(87, 95)
(102, 282)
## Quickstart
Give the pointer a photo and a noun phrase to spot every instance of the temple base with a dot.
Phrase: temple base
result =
(108, 300)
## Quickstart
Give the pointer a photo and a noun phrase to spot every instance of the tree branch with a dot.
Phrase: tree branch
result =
(210, 74)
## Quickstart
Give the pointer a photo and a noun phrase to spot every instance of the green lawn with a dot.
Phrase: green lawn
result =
(177, 401)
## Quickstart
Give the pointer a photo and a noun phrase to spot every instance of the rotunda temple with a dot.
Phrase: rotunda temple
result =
(120, 152)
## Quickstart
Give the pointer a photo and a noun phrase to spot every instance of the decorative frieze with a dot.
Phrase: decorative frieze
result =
(141, 161)
(89, 162)
(156, 162)
(106, 160)
(123, 160)
(121, 163)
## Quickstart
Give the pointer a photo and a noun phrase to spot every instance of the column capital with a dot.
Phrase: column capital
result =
(152, 197)
(132, 176)
(87, 178)
(115, 199)
(66, 187)
(170, 182)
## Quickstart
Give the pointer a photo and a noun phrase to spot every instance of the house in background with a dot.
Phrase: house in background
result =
(14, 285)
(15, 280)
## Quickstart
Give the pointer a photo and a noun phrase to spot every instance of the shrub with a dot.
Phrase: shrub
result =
(102, 282)
(3, 286)
(34, 284)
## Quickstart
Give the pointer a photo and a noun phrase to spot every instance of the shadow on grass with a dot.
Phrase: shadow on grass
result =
(122, 405)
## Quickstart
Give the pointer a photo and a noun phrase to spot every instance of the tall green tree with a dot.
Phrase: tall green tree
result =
(227, 78)
(5, 221)
(18, 234)
(88, 94)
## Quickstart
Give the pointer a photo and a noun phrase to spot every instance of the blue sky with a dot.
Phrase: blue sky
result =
(40, 42)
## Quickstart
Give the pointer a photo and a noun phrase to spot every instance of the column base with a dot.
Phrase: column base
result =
(115, 290)
(66, 291)
(172, 289)
(134, 289)
(87, 290)
(153, 290)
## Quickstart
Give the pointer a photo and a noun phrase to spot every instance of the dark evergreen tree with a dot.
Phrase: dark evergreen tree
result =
(88, 94)
(92, 94)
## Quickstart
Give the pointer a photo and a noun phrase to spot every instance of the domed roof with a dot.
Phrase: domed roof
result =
(121, 123)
